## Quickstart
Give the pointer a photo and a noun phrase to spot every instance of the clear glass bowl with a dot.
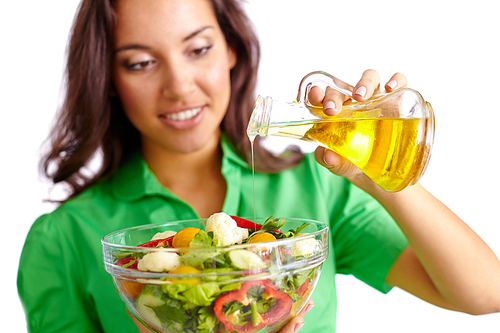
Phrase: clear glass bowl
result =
(218, 297)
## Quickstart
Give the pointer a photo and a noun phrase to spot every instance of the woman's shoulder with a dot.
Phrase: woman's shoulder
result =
(90, 198)
(125, 185)
(88, 207)
(85, 203)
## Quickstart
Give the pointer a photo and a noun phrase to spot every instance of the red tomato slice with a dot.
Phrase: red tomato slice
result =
(244, 223)
(159, 242)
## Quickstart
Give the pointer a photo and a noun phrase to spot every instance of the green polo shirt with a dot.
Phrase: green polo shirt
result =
(62, 283)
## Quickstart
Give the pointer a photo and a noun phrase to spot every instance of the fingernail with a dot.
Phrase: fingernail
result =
(361, 91)
(298, 326)
(329, 106)
(325, 158)
(392, 84)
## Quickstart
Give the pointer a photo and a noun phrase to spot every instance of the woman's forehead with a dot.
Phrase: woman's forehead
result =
(139, 19)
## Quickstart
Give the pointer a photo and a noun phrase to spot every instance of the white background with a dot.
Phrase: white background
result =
(448, 50)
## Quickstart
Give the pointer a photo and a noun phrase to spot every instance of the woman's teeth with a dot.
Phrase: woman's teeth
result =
(184, 115)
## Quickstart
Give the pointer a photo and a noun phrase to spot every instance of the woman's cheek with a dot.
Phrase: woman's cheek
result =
(135, 96)
(219, 79)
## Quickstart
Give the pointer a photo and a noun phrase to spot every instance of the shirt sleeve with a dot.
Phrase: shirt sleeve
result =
(50, 282)
(366, 239)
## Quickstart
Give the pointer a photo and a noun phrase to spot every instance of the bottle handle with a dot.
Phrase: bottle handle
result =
(317, 78)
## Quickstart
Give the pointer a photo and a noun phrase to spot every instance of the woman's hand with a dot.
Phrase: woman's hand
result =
(293, 326)
(298, 321)
(332, 102)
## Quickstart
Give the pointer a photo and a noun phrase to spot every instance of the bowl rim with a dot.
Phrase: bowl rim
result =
(120, 272)
(277, 242)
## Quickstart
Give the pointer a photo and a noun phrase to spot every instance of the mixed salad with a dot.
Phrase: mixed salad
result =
(221, 292)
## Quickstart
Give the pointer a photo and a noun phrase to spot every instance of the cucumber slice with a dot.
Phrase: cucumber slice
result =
(145, 303)
(245, 260)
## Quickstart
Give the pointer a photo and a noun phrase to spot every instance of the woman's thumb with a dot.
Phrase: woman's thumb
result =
(335, 163)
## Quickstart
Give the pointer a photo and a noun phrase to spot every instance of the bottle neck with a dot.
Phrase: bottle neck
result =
(271, 113)
(259, 120)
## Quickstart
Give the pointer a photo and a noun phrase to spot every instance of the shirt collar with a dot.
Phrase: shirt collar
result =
(229, 152)
(135, 180)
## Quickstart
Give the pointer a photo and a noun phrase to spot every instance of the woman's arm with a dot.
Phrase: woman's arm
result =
(446, 263)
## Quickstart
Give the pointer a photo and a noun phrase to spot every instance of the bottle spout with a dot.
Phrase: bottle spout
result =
(259, 120)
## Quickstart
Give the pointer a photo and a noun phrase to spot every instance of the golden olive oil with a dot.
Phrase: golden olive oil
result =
(388, 150)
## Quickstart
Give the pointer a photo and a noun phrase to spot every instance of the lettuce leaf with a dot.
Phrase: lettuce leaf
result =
(172, 314)
(198, 258)
(202, 294)
(206, 320)
(201, 239)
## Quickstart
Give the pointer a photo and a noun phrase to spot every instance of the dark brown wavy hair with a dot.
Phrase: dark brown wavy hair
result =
(91, 120)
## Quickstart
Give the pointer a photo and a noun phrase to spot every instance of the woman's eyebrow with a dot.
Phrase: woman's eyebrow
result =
(144, 47)
(197, 32)
(132, 47)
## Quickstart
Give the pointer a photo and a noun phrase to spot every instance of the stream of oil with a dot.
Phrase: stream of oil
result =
(252, 139)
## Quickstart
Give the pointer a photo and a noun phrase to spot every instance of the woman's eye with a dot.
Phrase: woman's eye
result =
(201, 51)
(140, 66)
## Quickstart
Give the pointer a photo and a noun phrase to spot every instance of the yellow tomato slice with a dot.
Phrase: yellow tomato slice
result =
(184, 237)
(262, 237)
(185, 270)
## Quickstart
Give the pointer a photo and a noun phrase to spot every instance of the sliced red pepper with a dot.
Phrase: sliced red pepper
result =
(128, 262)
(278, 312)
(244, 223)
(159, 242)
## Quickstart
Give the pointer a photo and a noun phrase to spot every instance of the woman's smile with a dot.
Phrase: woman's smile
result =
(183, 115)
(183, 119)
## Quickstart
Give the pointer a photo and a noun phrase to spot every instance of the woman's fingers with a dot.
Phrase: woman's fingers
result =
(298, 321)
(368, 85)
(316, 95)
(331, 100)
(397, 81)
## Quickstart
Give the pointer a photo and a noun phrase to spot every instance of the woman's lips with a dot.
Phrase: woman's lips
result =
(185, 119)
(184, 115)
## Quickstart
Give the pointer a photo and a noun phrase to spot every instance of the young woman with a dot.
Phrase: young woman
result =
(162, 90)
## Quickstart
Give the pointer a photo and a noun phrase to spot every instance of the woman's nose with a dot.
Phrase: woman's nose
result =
(178, 82)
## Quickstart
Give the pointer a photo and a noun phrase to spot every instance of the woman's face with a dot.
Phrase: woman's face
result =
(172, 71)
